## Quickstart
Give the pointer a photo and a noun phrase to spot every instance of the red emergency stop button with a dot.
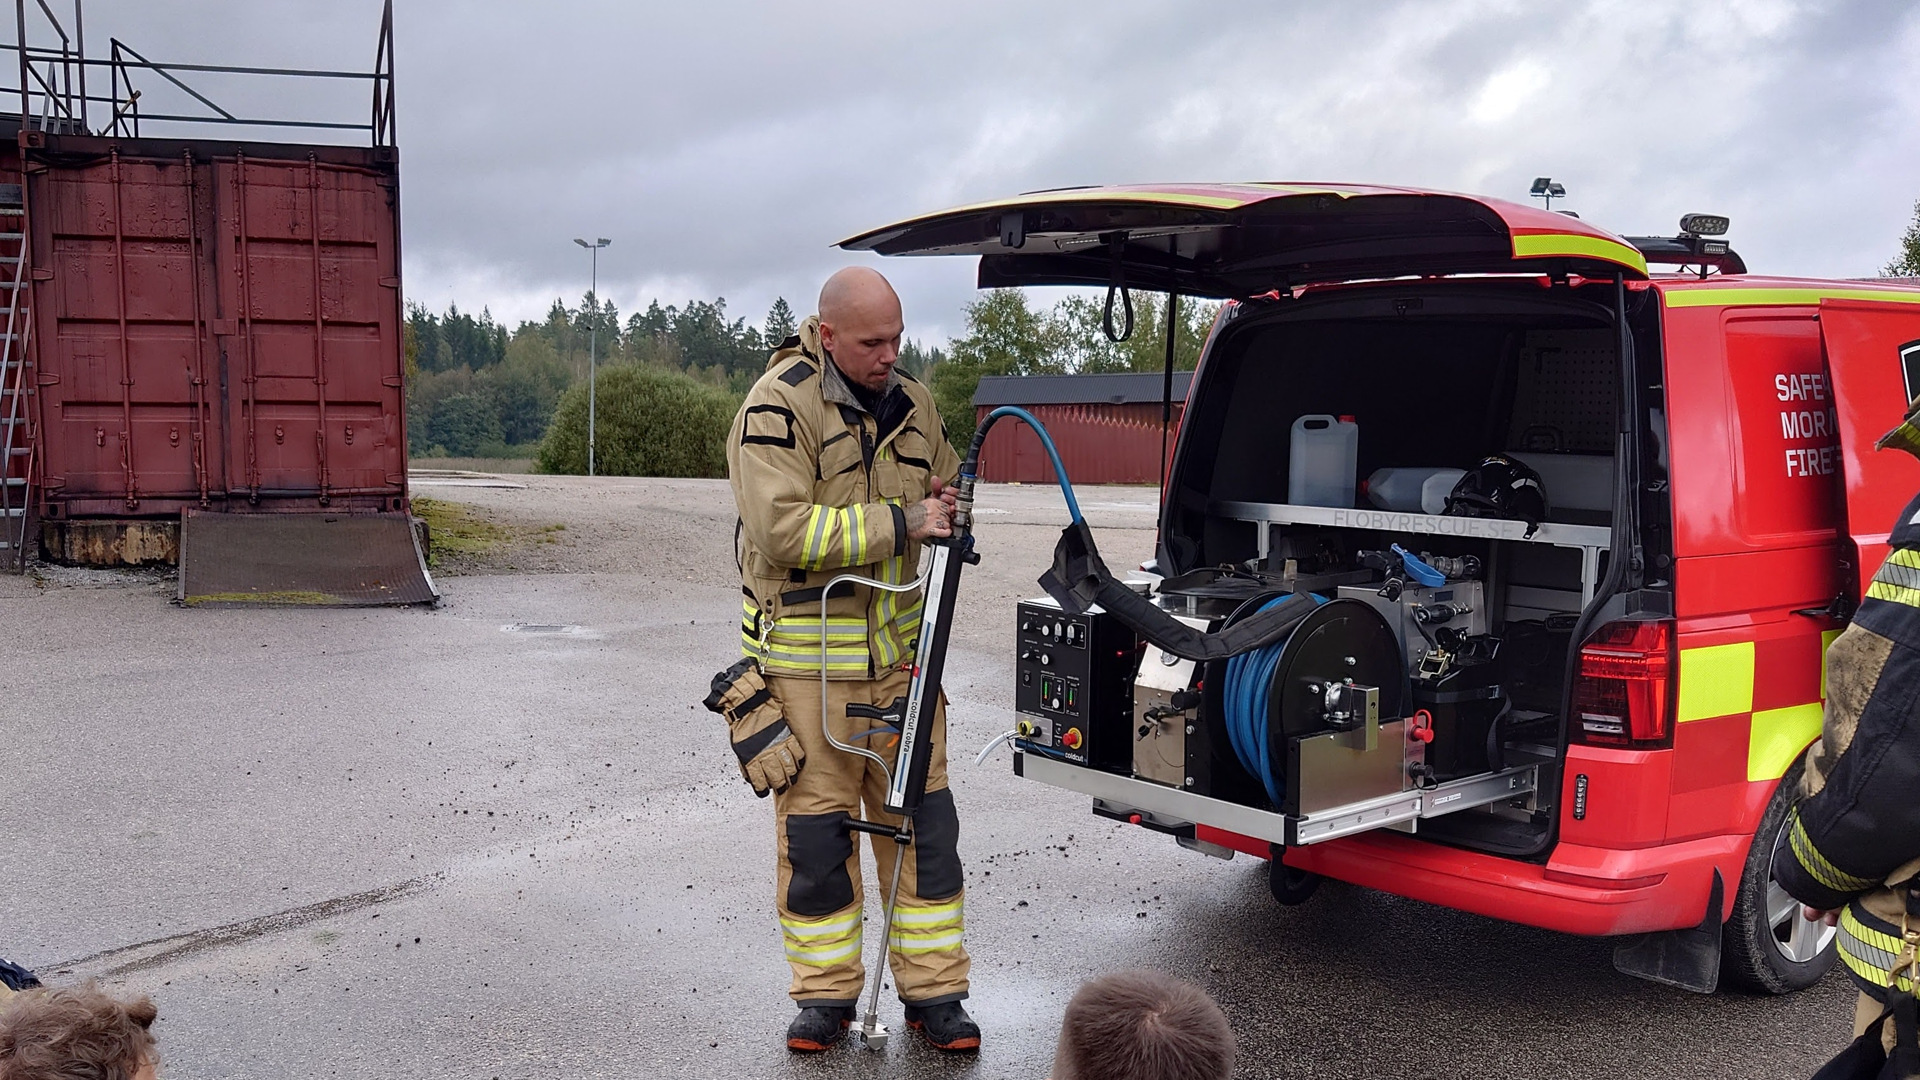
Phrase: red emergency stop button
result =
(1071, 740)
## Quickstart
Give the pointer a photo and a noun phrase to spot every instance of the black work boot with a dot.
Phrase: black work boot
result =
(818, 1027)
(945, 1026)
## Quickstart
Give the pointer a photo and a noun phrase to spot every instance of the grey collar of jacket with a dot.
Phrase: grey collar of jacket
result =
(833, 382)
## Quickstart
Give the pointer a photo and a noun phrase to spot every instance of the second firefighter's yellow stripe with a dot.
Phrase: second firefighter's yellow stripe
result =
(1810, 857)
(1899, 594)
(1869, 953)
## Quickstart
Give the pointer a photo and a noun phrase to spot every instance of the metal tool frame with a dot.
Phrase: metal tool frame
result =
(873, 1034)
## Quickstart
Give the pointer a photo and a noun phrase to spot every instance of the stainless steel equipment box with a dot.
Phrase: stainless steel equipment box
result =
(1337, 768)
(1164, 712)
(1466, 602)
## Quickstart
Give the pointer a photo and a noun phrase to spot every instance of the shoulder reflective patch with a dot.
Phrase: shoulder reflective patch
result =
(800, 372)
(768, 425)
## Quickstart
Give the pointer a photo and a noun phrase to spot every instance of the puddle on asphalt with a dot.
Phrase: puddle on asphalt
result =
(547, 629)
(466, 482)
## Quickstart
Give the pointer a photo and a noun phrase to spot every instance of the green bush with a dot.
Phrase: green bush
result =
(650, 422)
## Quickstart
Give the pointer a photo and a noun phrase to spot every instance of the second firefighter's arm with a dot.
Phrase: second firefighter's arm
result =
(1862, 818)
(777, 459)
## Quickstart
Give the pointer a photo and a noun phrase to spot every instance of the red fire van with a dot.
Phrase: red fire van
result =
(1591, 722)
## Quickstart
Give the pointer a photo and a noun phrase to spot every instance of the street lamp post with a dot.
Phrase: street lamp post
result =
(593, 339)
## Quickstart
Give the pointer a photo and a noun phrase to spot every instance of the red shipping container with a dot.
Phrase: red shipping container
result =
(214, 326)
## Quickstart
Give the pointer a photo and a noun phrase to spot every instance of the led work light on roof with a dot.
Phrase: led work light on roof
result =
(1547, 189)
(1703, 225)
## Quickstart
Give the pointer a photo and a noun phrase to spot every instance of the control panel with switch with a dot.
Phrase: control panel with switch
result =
(1073, 685)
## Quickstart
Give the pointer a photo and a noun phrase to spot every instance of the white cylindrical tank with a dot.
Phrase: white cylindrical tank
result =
(1324, 463)
(1406, 488)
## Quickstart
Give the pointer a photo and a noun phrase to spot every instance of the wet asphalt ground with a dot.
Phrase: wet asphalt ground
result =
(500, 839)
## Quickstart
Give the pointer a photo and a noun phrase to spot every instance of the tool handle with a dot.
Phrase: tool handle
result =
(909, 781)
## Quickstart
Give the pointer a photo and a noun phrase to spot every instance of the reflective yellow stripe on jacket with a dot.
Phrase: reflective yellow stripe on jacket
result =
(1870, 953)
(791, 646)
(1898, 579)
(1817, 864)
(897, 626)
(832, 529)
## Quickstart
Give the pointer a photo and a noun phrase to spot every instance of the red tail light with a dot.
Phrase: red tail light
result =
(1623, 693)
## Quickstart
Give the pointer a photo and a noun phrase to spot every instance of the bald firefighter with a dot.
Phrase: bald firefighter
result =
(839, 465)
(1850, 850)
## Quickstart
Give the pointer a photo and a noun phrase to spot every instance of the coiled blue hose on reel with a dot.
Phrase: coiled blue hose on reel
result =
(1247, 696)
(1249, 676)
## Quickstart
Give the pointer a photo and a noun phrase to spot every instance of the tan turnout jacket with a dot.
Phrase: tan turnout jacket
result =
(821, 485)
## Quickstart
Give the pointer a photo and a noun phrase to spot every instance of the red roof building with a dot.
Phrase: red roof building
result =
(1107, 427)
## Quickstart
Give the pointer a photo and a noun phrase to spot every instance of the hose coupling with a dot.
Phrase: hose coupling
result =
(963, 503)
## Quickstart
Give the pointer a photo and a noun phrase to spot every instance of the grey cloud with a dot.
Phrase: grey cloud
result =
(725, 146)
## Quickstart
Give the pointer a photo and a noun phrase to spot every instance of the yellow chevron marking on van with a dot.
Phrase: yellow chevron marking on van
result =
(1716, 680)
(1778, 737)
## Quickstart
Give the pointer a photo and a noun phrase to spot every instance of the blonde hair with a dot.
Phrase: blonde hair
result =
(75, 1033)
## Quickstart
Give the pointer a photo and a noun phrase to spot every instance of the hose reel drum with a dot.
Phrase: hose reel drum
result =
(1319, 718)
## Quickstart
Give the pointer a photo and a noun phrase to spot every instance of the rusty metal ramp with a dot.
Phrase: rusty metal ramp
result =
(301, 560)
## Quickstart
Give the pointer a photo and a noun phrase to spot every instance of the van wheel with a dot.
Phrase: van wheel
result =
(1766, 947)
(1289, 885)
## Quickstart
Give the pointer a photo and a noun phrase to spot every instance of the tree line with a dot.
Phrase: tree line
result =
(478, 389)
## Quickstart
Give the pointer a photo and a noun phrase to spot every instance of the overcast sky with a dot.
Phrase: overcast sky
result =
(724, 147)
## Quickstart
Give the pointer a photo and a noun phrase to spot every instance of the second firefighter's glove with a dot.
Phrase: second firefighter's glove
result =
(770, 757)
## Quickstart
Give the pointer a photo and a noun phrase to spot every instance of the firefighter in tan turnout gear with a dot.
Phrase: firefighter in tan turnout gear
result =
(1850, 850)
(839, 465)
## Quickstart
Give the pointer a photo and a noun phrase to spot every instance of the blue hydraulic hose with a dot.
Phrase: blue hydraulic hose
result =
(1247, 695)
(1059, 470)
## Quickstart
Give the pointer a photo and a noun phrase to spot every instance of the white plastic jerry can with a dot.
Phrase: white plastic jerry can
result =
(1324, 463)
(1412, 488)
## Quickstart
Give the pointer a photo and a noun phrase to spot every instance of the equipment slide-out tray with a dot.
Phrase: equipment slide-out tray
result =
(1401, 810)
(1590, 540)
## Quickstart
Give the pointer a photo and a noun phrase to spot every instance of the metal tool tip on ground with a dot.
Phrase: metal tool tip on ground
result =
(873, 1033)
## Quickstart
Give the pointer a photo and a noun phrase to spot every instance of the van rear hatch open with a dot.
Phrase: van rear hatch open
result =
(1242, 240)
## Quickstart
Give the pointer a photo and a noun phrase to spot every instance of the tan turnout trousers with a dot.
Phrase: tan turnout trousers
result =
(822, 916)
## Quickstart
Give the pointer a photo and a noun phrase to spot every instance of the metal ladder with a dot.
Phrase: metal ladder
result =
(17, 442)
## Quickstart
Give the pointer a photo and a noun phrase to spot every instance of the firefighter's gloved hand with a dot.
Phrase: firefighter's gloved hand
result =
(770, 757)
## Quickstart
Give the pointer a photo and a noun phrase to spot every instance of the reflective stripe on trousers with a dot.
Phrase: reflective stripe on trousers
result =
(925, 928)
(823, 942)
